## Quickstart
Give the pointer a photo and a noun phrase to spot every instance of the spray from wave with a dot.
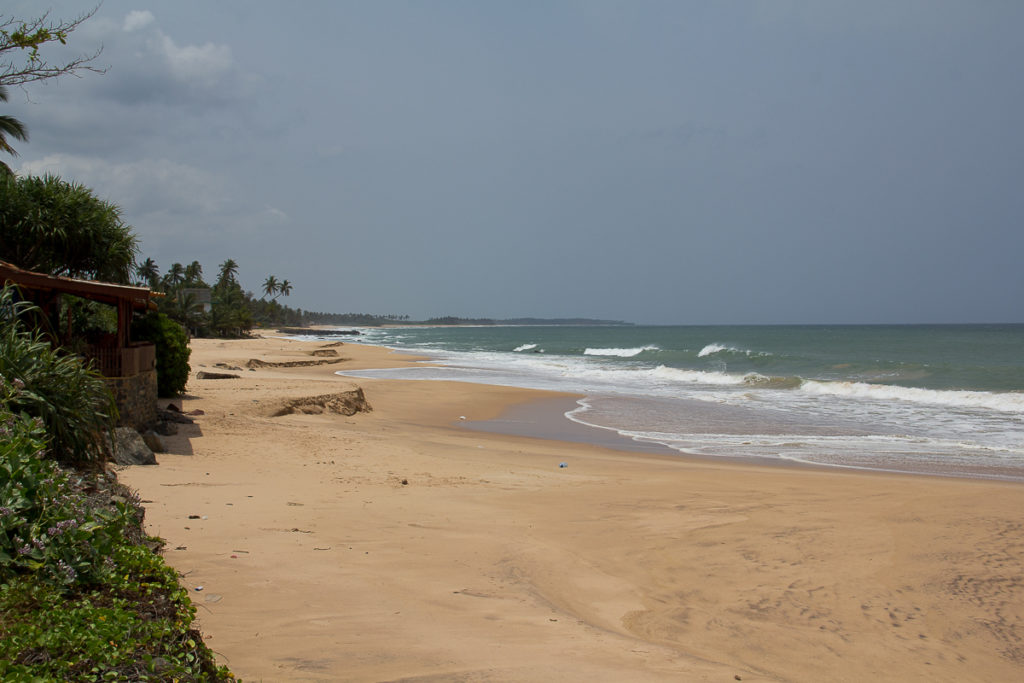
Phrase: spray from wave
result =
(712, 349)
(621, 353)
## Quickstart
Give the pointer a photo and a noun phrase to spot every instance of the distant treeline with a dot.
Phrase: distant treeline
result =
(361, 319)
(370, 320)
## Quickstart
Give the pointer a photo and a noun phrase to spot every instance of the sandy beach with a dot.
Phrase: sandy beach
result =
(400, 544)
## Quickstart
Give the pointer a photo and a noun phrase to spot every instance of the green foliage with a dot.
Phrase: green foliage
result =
(10, 126)
(149, 274)
(194, 275)
(81, 599)
(172, 351)
(233, 311)
(230, 315)
(137, 629)
(90, 320)
(72, 402)
(24, 38)
(61, 228)
(46, 527)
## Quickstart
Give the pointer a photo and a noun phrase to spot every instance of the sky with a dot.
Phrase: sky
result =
(677, 162)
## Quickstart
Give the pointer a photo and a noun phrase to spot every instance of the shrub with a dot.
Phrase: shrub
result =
(81, 598)
(73, 403)
(46, 526)
(61, 228)
(172, 351)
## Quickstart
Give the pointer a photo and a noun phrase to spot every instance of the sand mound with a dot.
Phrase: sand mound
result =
(215, 375)
(344, 403)
(257, 363)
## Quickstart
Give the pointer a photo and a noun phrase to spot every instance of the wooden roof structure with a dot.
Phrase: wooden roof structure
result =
(137, 298)
(117, 356)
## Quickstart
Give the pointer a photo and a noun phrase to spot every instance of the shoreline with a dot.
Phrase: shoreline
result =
(406, 543)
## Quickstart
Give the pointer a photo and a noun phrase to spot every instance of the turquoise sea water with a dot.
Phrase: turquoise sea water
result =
(943, 399)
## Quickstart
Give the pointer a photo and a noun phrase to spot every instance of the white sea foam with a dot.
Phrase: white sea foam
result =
(620, 353)
(664, 372)
(525, 347)
(712, 349)
(1004, 402)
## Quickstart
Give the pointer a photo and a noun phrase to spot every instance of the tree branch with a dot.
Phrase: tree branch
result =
(24, 38)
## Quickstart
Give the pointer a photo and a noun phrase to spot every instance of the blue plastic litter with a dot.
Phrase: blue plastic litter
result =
(563, 464)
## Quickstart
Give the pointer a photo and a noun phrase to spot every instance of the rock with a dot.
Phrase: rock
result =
(175, 416)
(226, 366)
(202, 374)
(326, 353)
(130, 449)
(166, 427)
(155, 443)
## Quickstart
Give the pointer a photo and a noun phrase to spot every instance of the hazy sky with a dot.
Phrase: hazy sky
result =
(660, 162)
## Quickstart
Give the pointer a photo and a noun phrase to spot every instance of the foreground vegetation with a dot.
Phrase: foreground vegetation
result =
(83, 595)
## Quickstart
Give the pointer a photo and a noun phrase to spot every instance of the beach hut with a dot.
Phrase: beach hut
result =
(128, 367)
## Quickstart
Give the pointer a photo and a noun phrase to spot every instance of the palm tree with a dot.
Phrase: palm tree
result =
(285, 287)
(189, 312)
(13, 127)
(148, 272)
(176, 275)
(270, 286)
(194, 273)
(228, 270)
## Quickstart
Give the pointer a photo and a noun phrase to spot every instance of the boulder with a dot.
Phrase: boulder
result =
(130, 449)
(166, 427)
(155, 443)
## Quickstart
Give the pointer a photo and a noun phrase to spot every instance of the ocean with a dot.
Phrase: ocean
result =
(934, 399)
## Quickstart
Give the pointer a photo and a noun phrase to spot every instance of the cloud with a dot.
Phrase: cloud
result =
(174, 208)
(140, 186)
(276, 215)
(137, 19)
(204, 64)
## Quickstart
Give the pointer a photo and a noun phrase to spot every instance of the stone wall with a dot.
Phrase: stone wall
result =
(136, 399)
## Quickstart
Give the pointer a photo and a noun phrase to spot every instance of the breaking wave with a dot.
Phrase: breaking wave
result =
(1011, 402)
(621, 353)
(665, 373)
(712, 349)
